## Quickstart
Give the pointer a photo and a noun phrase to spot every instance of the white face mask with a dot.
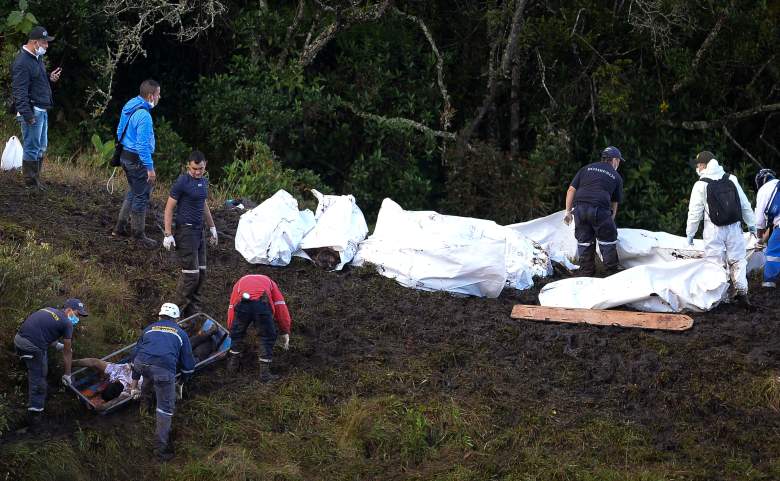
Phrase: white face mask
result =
(40, 51)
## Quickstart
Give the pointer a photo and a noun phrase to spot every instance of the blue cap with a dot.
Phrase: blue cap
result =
(77, 306)
(612, 153)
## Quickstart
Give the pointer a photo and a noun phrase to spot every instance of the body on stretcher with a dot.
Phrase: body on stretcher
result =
(213, 344)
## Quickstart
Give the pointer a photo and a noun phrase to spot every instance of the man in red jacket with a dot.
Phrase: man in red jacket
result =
(256, 299)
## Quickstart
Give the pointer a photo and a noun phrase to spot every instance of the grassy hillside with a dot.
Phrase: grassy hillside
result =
(381, 382)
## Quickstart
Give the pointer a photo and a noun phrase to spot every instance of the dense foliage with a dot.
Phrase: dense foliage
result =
(473, 108)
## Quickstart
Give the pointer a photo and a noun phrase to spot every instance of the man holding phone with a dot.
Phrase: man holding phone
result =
(33, 99)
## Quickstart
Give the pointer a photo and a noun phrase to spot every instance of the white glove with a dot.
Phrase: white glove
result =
(285, 340)
(135, 393)
(59, 346)
(66, 380)
(179, 391)
(169, 242)
(214, 240)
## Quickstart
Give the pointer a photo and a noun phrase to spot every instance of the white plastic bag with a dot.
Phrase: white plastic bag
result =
(12, 154)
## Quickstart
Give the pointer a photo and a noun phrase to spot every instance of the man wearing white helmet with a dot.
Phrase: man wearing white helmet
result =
(162, 349)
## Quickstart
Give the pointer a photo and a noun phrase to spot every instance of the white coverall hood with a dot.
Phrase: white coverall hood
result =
(721, 241)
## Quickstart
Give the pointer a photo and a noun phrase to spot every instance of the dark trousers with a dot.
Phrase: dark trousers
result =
(164, 384)
(140, 188)
(595, 224)
(37, 363)
(191, 251)
(257, 313)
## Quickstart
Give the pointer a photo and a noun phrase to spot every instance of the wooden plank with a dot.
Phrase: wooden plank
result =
(600, 317)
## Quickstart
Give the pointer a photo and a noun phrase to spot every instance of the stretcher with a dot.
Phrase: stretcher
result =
(88, 384)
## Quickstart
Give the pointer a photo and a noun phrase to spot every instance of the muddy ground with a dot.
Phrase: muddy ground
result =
(674, 386)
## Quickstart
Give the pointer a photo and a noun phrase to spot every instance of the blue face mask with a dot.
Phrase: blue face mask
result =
(74, 319)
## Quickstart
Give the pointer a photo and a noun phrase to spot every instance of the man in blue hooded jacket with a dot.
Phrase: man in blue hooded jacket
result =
(136, 131)
(162, 348)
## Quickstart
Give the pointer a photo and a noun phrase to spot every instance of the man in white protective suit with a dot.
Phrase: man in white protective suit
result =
(718, 199)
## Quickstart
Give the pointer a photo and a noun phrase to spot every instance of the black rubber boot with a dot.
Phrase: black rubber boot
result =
(233, 363)
(28, 171)
(138, 222)
(121, 227)
(36, 167)
(165, 453)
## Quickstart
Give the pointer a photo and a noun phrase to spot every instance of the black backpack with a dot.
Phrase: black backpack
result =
(723, 201)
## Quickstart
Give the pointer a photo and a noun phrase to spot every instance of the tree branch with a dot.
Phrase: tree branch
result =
(744, 150)
(712, 124)
(399, 122)
(344, 19)
(514, 38)
(291, 31)
(447, 110)
(705, 46)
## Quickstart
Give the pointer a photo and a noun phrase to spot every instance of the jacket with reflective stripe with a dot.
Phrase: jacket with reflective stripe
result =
(166, 345)
(256, 285)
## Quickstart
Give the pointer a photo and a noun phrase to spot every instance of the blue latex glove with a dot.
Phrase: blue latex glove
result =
(752, 229)
(690, 240)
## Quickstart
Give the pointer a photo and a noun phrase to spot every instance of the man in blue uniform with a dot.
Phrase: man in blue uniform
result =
(136, 134)
(41, 329)
(188, 198)
(162, 348)
(592, 201)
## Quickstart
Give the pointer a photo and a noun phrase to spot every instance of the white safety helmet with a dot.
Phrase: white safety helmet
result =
(170, 309)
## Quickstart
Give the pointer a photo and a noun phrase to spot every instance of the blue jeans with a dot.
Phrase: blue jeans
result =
(35, 138)
(257, 313)
(37, 363)
(772, 266)
(163, 382)
(140, 188)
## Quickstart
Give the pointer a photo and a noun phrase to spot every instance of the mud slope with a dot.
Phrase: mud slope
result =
(678, 388)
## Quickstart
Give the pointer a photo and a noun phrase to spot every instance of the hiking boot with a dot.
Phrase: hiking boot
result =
(137, 220)
(121, 227)
(265, 373)
(34, 421)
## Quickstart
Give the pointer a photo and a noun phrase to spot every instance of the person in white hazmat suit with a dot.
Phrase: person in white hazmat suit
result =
(722, 207)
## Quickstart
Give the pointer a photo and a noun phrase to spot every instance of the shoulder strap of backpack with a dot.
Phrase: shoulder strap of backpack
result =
(129, 116)
(706, 180)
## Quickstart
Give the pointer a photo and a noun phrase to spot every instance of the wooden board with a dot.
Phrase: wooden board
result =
(600, 317)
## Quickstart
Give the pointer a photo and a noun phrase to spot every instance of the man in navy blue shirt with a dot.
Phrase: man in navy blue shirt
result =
(188, 198)
(43, 328)
(592, 200)
(162, 349)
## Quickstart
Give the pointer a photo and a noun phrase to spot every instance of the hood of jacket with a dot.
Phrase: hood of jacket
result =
(713, 171)
(134, 103)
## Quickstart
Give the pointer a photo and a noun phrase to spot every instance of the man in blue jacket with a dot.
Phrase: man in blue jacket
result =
(32, 100)
(162, 348)
(41, 329)
(136, 131)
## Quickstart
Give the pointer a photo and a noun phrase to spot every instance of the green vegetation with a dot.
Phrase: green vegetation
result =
(482, 109)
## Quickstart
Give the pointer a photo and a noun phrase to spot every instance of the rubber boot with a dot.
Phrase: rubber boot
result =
(28, 172)
(138, 222)
(37, 175)
(233, 363)
(265, 372)
(120, 229)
